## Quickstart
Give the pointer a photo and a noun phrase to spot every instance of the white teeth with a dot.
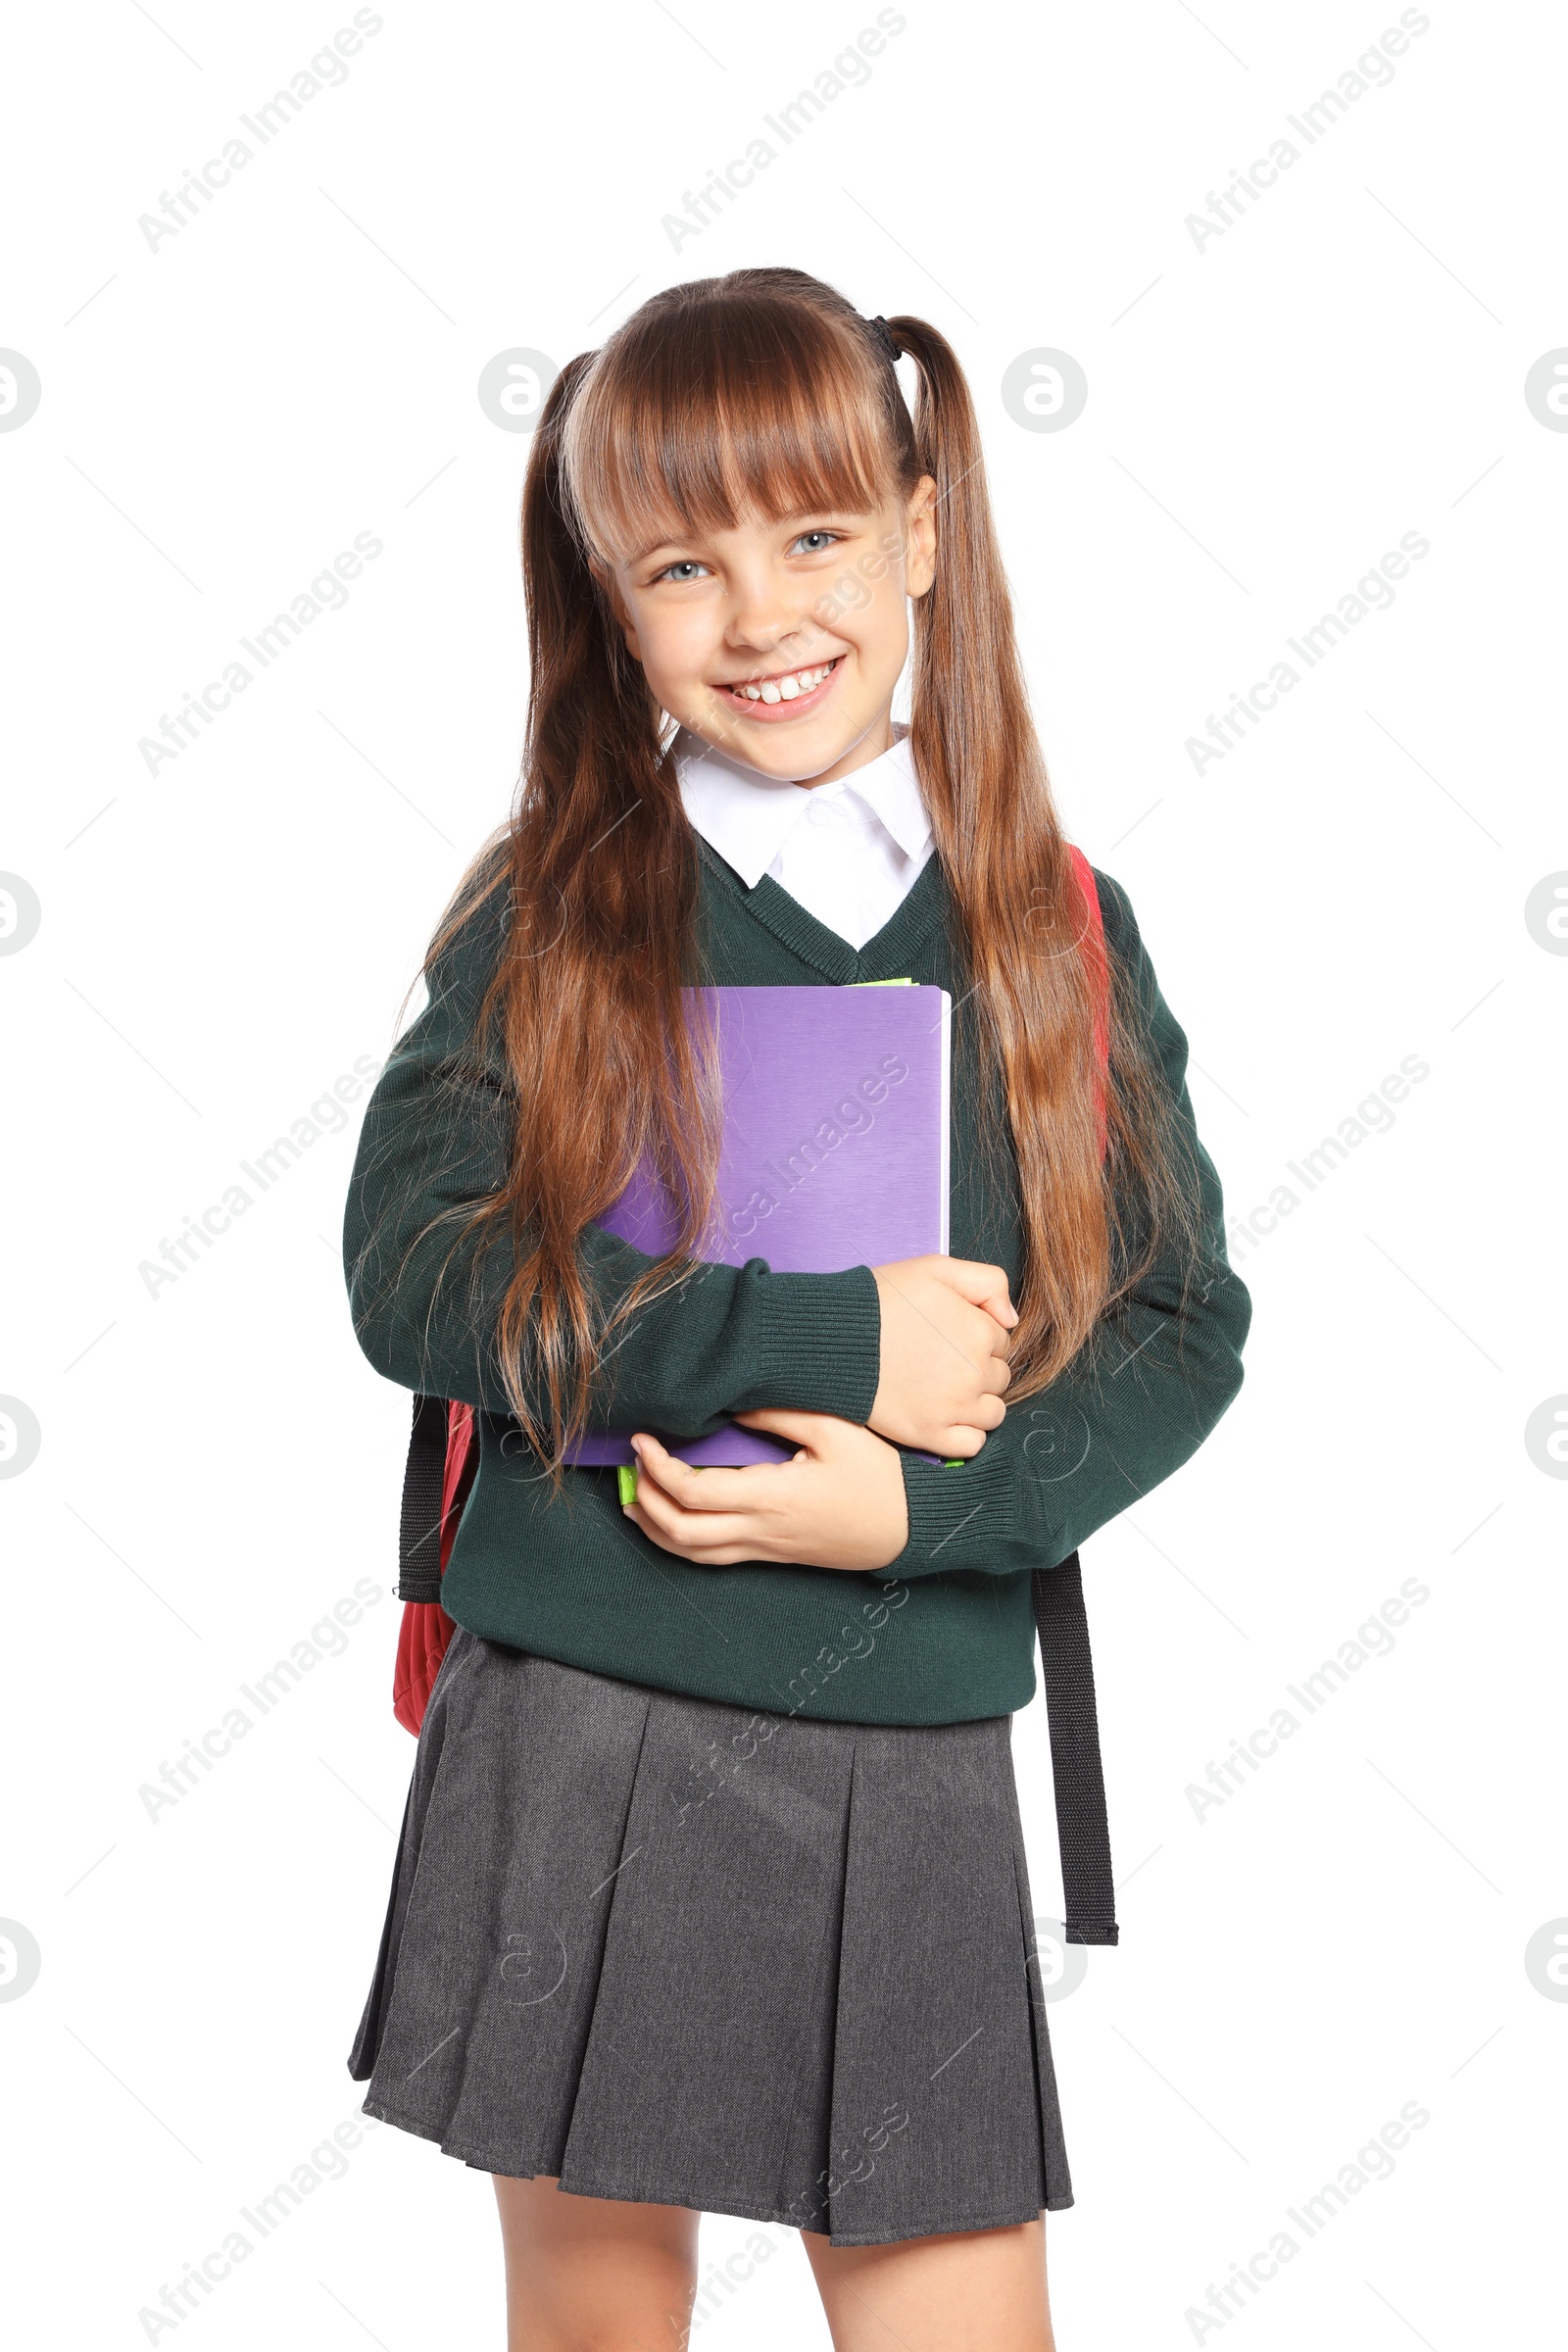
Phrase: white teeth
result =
(786, 690)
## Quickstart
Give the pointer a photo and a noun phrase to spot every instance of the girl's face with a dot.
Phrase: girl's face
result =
(781, 643)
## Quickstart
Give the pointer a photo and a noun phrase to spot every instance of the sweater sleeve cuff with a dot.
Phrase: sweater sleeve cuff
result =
(820, 1344)
(961, 1516)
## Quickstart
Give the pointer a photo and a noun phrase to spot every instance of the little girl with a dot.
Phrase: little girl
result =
(711, 1893)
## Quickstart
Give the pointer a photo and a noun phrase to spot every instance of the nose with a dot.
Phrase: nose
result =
(766, 617)
(767, 630)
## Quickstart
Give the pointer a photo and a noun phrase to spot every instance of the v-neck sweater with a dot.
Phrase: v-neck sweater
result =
(945, 1633)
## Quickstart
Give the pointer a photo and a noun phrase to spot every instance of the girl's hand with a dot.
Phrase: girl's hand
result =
(840, 1503)
(945, 1344)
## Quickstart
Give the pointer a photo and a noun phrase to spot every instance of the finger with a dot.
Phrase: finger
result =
(993, 1363)
(723, 1555)
(637, 1514)
(802, 1429)
(982, 1284)
(680, 1497)
(693, 1535)
(660, 1516)
(700, 1490)
(965, 1439)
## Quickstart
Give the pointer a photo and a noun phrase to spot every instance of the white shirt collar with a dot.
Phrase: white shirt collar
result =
(747, 817)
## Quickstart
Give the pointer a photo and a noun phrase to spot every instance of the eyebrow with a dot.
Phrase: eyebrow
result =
(845, 514)
(644, 554)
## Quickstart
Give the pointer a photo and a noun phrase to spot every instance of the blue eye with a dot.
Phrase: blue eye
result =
(825, 539)
(687, 568)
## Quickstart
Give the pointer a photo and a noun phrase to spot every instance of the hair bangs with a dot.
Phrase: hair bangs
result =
(731, 409)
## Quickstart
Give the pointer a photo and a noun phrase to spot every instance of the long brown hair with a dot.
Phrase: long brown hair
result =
(765, 391)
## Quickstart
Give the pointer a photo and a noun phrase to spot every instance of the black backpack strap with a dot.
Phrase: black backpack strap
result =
(419, 1529)
(1082, 1831)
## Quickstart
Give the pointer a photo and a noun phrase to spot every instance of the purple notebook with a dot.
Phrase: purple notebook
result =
(835, 1155)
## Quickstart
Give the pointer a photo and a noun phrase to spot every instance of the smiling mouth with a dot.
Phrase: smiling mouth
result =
(776, 694)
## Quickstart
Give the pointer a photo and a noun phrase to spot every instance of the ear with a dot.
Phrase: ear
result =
(920, 537)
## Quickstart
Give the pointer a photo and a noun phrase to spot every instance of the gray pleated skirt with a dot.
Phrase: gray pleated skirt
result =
(686, 1954)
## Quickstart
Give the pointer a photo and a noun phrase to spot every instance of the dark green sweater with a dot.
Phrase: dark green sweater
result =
(945, 1633)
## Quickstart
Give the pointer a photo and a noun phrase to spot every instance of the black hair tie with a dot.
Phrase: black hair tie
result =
(885, 336)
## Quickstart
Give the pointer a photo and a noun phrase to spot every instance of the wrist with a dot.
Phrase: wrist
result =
(893, 1513)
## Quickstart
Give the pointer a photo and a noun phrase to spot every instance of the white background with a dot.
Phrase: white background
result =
(1266, 415)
